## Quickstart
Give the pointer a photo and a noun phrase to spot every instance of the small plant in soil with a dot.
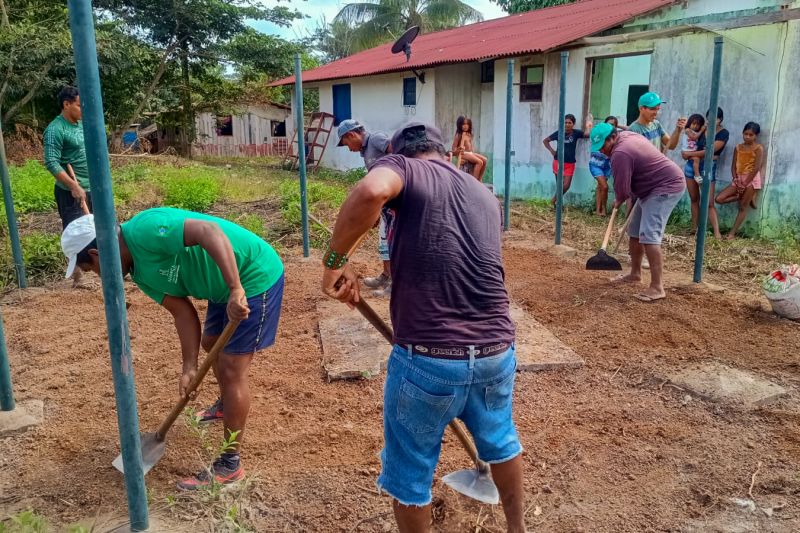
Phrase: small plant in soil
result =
(25, 522)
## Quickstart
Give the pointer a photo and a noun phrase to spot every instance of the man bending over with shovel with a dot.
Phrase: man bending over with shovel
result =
(643, 172)
(453, 354)
(173, 255)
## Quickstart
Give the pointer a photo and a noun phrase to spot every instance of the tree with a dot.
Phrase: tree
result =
(331, 41)
(379, 21)
(521, 6)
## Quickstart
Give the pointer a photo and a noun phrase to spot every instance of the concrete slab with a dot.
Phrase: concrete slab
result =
(716, 382)
(537, 348)
(27, 413)
(351, 347)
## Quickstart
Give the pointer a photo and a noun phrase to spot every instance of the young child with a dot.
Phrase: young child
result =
(462, 145)
(748, 158)
(615, 123)
(571, 137)
(694, 142)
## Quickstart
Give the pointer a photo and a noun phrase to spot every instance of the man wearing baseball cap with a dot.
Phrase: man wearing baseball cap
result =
(174, 255)
(644, 173)
(372, 147)
(453, 354)
(648, 125)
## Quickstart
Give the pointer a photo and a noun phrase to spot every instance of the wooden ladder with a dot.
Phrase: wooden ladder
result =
(317, 132)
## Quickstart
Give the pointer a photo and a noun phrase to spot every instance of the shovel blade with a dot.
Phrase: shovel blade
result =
(602, 261)
(473, 484)
(152, 450)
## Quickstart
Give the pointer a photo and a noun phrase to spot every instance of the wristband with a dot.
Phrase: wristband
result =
(334, 260)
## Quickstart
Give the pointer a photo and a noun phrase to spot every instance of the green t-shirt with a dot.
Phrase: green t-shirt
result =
(163, 265)
(63, 144)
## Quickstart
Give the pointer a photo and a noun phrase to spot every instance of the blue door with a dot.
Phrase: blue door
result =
(341, 103)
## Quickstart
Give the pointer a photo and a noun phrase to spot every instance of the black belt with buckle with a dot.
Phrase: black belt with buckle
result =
(460, 352)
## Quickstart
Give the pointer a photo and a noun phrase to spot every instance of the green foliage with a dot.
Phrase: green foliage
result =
(320, 194)
(44, 259)
(252, 223)
(194, 188)
(349, 176)
(32, 188)
(520, 6)
(78, 529)
(25, 522)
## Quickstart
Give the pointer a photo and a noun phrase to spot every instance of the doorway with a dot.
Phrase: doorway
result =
(613, 83)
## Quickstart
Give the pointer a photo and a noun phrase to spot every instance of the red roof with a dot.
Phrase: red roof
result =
(527, 33)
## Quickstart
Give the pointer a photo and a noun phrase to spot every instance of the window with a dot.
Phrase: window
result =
(409, 91)
(487, 72)
(341, 103)
(225, 126)
(531, 83)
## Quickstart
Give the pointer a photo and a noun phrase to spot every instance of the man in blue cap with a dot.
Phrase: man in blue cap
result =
(656, 182)
(650, 127)
(372, 147)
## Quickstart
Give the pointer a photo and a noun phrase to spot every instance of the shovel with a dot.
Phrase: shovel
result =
(603, 261)
(153, 444)
(474, 483)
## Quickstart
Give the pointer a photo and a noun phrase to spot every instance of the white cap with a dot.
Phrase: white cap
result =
(78, 235)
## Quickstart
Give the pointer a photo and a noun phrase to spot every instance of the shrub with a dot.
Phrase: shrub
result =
(32, 188)
(196, 193)
(44, 259)
(319, 193)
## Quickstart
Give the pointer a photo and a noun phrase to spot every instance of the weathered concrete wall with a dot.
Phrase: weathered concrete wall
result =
(377, 102)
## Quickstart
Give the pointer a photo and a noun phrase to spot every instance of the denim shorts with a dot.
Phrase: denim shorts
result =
(258, 331)
(422, 395)
(650, 217)
(688, 170)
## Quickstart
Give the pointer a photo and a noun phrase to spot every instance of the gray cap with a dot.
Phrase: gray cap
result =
(345, 127)
(415, 133)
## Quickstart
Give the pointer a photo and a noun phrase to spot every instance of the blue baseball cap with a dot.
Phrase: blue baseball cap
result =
(650, 100)
(599, 135)
(345, 127)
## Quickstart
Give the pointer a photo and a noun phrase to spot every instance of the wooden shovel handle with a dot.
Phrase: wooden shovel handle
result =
(384, 329)
(625, 227)
(609, 228)
(84, 206)
(208, 362)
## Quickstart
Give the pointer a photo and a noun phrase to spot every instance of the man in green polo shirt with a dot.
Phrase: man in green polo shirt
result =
(65, 158)
(174, 255)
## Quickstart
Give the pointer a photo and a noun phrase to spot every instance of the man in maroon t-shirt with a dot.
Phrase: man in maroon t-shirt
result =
(453, 354)
(641, 171)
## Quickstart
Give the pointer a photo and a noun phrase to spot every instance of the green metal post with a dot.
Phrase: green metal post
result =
(509, 115)
(6, 389)
(11, 216)
(85, 49)
(705, 189)
(301, 150)
(562, 110)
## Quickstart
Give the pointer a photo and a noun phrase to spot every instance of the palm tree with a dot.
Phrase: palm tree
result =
(376, 22)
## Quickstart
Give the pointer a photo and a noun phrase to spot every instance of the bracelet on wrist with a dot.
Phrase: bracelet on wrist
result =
(334, 260)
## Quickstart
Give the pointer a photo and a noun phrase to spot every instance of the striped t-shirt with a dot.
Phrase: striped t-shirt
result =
(653, 132)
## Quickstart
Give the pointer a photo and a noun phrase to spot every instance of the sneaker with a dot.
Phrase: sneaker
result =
(378, 282)
(221, 472)
(385, 292)
(211, 413)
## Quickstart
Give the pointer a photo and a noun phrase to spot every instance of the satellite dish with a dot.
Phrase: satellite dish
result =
(403, 44)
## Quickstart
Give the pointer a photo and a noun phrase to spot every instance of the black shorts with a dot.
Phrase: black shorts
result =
(69, 208)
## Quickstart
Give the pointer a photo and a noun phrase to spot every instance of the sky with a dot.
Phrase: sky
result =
(317, 9)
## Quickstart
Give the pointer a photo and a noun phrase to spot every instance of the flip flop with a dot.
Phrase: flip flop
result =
(621, 279)
(649, 299)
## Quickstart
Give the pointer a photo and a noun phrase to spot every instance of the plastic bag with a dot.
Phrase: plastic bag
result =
(782, 280)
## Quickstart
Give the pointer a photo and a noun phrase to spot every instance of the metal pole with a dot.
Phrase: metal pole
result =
(84, 46)
(6, 388)
(11, 216)
(509, 104)
(301, 149)
(562, 110)
(705, 189)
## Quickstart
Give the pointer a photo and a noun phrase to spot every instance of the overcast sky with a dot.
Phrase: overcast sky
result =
(317, 9)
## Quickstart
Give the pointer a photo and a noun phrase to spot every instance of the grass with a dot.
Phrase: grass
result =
(32, 188)
(25, 522)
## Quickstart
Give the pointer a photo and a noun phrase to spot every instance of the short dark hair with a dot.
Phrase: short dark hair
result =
(755, 127)
(67, 94)
(697, 117)
(422, 147)
(571, 117)
(611, 117)
(720, 114)
(83, 255)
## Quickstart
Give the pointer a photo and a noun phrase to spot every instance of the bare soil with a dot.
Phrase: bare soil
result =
(609, 448)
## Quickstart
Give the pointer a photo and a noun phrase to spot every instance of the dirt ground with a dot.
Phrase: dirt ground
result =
(609, 448)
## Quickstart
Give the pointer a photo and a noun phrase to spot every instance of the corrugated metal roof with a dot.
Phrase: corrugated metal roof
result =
(526, 33)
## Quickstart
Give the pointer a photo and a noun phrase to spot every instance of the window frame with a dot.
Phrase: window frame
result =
(409, 82)
(487, 71)
(523, 71)
(224, 122)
